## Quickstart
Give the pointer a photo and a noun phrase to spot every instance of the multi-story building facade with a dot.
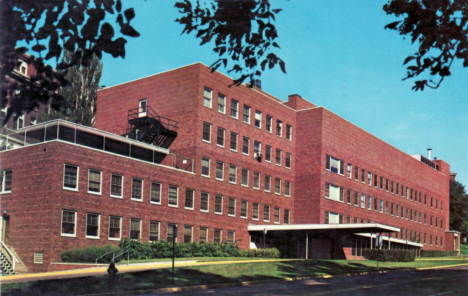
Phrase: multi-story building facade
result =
(223, 163)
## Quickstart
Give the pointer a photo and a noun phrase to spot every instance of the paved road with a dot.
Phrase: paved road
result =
(448, 281)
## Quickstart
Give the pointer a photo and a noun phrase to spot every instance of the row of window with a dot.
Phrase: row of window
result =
(337, 166)
(258, 118)
(20, 121)
(116, 190)
(335, 218)
(153, 228)
(5, 181)
(244, 178)
(367, 202)
(257, 152)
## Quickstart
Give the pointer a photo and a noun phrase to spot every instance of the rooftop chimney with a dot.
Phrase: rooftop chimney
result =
(258, 83)
(429, 150)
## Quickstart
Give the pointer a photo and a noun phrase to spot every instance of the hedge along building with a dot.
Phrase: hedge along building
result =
(223, 163)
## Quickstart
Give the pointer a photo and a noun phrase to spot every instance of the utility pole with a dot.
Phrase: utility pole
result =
(174, 236)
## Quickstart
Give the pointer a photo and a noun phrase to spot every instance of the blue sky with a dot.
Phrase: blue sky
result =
(338, 56)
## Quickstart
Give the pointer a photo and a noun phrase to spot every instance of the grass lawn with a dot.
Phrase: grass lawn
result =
(207, 275)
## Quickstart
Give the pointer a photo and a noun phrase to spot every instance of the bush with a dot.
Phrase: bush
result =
(389, 255)
(89, 255)
(264, 253)
(435, 253)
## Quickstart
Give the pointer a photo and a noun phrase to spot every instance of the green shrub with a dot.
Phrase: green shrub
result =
(264, 253)
(389, 255)
(436, 253)
(89, 255)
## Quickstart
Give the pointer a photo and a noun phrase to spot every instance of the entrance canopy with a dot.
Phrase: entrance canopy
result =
(326, 228)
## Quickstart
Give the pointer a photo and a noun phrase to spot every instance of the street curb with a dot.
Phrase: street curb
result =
(442, 266)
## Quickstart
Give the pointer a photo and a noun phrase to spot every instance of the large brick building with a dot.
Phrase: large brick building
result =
(224, 164)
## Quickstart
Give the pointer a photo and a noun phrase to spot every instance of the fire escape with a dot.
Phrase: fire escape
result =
(145, 125)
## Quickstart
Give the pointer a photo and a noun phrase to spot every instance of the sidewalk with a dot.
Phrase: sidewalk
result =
(123, 268)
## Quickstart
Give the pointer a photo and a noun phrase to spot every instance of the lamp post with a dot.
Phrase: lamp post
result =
(464, 242)
(174, 236)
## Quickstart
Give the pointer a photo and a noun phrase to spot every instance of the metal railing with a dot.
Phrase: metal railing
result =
(124, 252)
(113, 256)
(149, 112)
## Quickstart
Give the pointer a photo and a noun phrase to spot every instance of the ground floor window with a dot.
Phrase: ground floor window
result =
(115, 224)
(154, 231)
(92, 225)
(188, 234)
(135, 229)
(68, 223)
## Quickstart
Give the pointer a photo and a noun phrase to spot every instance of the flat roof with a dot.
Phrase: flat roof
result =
(358, 227)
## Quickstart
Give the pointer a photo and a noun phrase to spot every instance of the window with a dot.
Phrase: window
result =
(203, 237)
(207, 93)
(142, 108)
(381, 182)
(234, 108)
(188, 234)
(5, 181)
(205, 167)
(217, 236)
(386, 187)
(363, 175)
(245, 177)
(333, 218)
(369, 203)
(232, 174)
(154, 231)
(286, 217)
(206, 132)
(376, 181)
(258, 119)
(19, 123)
(349, 170)
(363, 201)
(218, 204)
(267, 183)
(334, 192)
(92, 225)
(173, 196)
(348, 196)
(288, 132)
(170, 232)
(115, 224)
(287, 188)
(137, 188)
(257, 148)
(278, 156)
(397, 189)
(287, 162)
(255, 211)
(279, 128)
(135, 228)
(246, 114)
(233, 144)
(189, 198)
(356, 197)
(204, 201)
(266, 213)
(392, 187)
(386, 207)
(155, 194)
(231, 236)
(220, 137)
(356, 173)
(219, 170)
(70, 177)
(245, 145)
(221, 103)
(381, 206)
(244, 209)
(68, 223)
(335, 165)
(276, 215)
(33, 121)
(269, 123)
(268, 153)
(116, 185)
(256, 180)
(94, 182)
(376, 204)
(397, 211)
(277, 186)
(232, 207)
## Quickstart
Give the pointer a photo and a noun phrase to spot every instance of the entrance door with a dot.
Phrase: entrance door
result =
(5, 227)
(142, 108)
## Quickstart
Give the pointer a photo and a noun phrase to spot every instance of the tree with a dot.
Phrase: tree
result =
(458, 208)
(82, 27)
(440, 27)
(80, 93)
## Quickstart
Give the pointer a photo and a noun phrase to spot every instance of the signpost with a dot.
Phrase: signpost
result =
(174, 236)
(464, 241)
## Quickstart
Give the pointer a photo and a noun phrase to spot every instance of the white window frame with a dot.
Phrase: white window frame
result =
(338, 189)
(276, 187)
(334, 165)
(289, 132)
(193, 199)
(222, 98)
(207, 202)
(229, 206)
(248, 145)
(269, 124)
(288, 156)
(237, 141)
(233, 168)
(4, 173)
(267, 189)
(141, 190)
(257, 186)
(121, 186)
(120, 228)
(279, 128)
(269, 149)
(203, 132)
(234, 111)
(207, 101)
(363, 201)
(160, 193)
(221, 206)
(265, 213)
(77, 177)
(274, 215)
(223, 138)
(287, 188)
(246, 203)
(209, 165)
(177, 196)
(242, 177)
(149, 230)
(100, 182)
(98, 226)
(258, 119)
(130, 229)
(75, 214)
(219, 170)
(257, 206)
(246, 114)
